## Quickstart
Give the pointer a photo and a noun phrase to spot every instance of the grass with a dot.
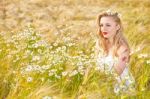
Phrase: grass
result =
(53, 58)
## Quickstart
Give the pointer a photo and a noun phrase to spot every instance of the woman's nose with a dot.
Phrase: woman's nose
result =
(103, 28)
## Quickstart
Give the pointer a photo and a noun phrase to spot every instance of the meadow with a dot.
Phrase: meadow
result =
(47, 49)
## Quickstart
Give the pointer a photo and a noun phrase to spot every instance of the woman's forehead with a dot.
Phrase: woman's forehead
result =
(107, 19)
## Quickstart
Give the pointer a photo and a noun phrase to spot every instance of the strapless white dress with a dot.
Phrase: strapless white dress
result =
(125, 82)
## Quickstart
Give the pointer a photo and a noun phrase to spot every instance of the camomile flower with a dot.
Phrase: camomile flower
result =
(47, 97)
(29, 79)
(142, 55)
(64, 73)
(148, 61)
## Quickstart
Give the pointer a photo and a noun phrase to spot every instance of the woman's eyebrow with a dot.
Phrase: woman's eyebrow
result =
(104, 23)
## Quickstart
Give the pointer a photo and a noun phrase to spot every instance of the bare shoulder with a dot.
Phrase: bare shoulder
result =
(123, 53)
(123, 49)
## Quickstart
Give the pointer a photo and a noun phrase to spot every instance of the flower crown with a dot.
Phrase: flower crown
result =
(109, 12)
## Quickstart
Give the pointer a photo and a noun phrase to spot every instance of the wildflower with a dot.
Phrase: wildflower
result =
(134, 51)
(63, 47)
(148, 61)
(70, 44)
(29, 79)
(55, 44)
(50, 74)
(57, 76)
(142, 55)
(58, 49)
(39, 50)
(51, 47)
(64, 73)
(28, 52)
(46, 67)
(80, 68)
(36, 67)
(138, 49)
(47, 97)
(29, 68)
(92, 55)
(42, 43)
(33, 38)
(36, 58)
(73, 73)
(53, 70)
(131, 81)
(80, 64)
(35, 45)
(127, 77)
(116, 89)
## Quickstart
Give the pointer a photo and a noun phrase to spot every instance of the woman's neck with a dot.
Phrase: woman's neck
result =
(110, 41)
(110, 49)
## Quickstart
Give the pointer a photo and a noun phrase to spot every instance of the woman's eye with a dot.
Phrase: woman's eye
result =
(108, 25)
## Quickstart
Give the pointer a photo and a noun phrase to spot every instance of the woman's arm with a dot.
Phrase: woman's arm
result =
(123, 54)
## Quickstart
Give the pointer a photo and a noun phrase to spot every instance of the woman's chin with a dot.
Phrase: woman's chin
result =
(105, 36)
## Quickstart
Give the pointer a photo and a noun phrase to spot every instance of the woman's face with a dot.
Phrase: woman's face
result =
(108, 27)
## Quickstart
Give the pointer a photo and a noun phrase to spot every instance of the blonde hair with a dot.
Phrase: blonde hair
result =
(118, 39)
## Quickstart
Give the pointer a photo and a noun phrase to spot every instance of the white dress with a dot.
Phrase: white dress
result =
(125, 82)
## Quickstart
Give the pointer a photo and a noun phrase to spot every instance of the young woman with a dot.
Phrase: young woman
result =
(113, 52)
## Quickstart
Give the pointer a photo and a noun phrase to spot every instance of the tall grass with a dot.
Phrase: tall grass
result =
(54, 58)
(33, 68)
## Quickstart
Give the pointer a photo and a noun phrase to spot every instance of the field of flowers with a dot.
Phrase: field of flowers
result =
(47, 49)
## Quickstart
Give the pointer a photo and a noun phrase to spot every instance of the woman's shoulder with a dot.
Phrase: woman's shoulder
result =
(124, 52)
(123, 48)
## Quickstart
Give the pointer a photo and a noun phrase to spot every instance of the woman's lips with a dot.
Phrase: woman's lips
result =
(105, 33)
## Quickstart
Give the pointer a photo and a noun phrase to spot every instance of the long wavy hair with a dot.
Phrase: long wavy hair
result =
(118, 39)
